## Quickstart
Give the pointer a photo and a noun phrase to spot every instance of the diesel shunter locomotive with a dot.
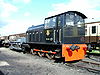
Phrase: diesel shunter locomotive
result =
(61, 36)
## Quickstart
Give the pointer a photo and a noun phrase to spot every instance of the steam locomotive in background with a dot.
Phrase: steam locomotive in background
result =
(61, 36)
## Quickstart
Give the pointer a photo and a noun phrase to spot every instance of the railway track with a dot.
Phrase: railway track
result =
(94, 57)
(88, 65)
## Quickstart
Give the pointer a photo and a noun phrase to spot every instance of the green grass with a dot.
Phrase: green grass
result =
(94, 51)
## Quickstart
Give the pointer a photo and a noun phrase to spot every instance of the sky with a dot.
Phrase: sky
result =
(17, 15)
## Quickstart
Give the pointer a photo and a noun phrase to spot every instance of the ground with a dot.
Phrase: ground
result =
(17, 63)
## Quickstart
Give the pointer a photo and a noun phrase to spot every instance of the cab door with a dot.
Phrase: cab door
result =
(60, 23)
(50, 30)
(53, 29)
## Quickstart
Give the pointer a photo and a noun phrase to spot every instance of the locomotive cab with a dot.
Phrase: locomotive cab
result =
(65, 28)
(68, 30)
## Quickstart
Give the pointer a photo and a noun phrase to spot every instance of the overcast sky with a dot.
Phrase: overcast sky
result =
(17, 15)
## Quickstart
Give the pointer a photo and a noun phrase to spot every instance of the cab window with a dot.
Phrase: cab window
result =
(50, 23)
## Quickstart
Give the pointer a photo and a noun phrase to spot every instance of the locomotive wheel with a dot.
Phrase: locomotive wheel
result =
(40, 54)
(23, 49)
(49, 56)
(32, 52)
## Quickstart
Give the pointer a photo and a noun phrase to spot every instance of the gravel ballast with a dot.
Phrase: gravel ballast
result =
(17, 63)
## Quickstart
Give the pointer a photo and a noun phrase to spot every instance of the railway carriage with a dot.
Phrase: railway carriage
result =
(61, 36)
(92, 36)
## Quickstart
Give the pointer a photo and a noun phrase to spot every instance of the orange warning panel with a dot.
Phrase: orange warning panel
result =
(73, 52)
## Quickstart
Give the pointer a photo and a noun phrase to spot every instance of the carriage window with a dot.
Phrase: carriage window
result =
(85, 26)
(50, 23)
(93, 29)
(85, 31)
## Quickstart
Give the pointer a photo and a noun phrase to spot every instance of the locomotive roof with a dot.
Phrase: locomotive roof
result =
(78, 13)
(35, 27)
